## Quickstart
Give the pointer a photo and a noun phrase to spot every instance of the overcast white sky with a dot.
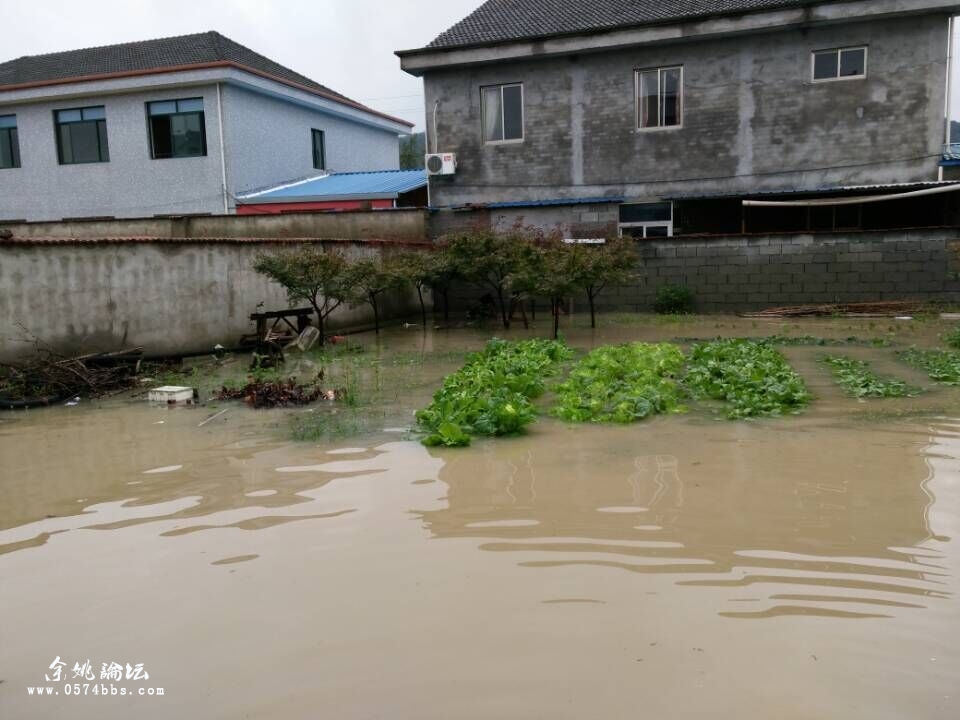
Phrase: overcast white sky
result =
(347, 45)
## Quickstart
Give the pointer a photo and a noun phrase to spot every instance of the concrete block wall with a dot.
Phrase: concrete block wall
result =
(730, 274)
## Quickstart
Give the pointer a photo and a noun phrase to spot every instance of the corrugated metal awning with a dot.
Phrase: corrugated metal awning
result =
(812, 192)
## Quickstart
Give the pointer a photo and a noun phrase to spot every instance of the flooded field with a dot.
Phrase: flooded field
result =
(683, 567)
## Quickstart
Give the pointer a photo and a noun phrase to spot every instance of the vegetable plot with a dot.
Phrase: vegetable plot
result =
(752, 377)
(941, 365)
(491, 394)
(858, 380)
(622, 384)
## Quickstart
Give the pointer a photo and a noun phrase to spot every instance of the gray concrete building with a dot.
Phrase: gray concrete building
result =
(664, 117)
(175, 126)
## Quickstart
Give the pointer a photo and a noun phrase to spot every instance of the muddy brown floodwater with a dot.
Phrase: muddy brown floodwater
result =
(680, 568)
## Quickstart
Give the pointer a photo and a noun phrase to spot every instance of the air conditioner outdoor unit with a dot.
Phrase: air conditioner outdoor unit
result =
(441, 164)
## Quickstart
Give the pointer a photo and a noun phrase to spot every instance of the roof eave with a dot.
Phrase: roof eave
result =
(419, 61)
(207, 66)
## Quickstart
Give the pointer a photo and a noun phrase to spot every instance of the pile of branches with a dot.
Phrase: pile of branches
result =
(890, 308)
(49, 377)
(274, 393)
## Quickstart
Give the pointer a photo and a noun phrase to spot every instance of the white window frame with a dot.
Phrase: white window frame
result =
(839, 51)
(650, 223)
(636, 98)
(503, 114)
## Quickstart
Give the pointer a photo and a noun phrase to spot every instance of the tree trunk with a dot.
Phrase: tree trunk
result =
(556, 318)
(504, 312)
(446, 305)
(316, 309)
(593, 311)
(423, 307)
(376, 313)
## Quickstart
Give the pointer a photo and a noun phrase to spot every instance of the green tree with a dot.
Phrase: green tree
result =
(368, 279)
(309, 274)
(492, 261)
(595, 268)
(555, 274)
(412, 151)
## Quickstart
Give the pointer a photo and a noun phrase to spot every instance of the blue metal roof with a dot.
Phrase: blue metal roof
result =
(385, 184)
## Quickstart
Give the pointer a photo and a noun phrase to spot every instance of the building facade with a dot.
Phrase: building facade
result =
(663, 120)
(177, 126)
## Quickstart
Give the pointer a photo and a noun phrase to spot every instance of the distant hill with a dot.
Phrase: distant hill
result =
(412, 150)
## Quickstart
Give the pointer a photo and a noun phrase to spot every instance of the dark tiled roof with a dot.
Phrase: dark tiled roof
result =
(154, 55)
(504, 20)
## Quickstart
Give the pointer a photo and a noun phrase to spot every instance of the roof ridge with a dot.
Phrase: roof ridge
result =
(111, 45)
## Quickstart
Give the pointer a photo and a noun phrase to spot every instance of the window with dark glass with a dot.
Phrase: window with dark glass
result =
(502, 110)
(659, 97)
(177, 129)
(9, 144)
(319, 149)
(82, 135)
(839, 64)
(646, 220)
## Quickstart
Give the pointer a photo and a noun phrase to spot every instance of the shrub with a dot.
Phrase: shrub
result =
(673, 300)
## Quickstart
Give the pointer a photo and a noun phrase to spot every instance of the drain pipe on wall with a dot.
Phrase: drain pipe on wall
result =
(223, 157)
(949, 93)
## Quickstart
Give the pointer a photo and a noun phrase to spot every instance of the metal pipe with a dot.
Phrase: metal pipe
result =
(861, 200)
(223, 157)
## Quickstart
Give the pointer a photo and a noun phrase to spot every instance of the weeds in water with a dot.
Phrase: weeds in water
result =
(856, 378)
(622, 384)
(952, 339)
(751, 376)
(941, 365)
(329, 424)
(804, 341)
(491, 394)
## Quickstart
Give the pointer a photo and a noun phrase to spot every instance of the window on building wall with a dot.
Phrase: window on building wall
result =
(502, 109)
(82, 135)
(177, 129)
(646, 220)
(319, 149)
(9, 143)
(840, 64)
(659, 94)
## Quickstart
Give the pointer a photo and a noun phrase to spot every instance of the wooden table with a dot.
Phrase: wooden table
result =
(280, 326)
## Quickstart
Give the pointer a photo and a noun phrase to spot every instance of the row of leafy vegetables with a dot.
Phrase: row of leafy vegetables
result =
(493, 393)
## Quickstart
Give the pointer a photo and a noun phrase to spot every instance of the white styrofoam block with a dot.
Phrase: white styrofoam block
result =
(171, 394)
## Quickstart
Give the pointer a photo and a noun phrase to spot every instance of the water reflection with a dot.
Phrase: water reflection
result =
(823, 521)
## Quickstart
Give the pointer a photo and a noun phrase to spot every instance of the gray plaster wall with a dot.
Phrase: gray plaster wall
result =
(171, 298)
(752, 119)
(131, 184)
(269, 141)
(397, 225)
